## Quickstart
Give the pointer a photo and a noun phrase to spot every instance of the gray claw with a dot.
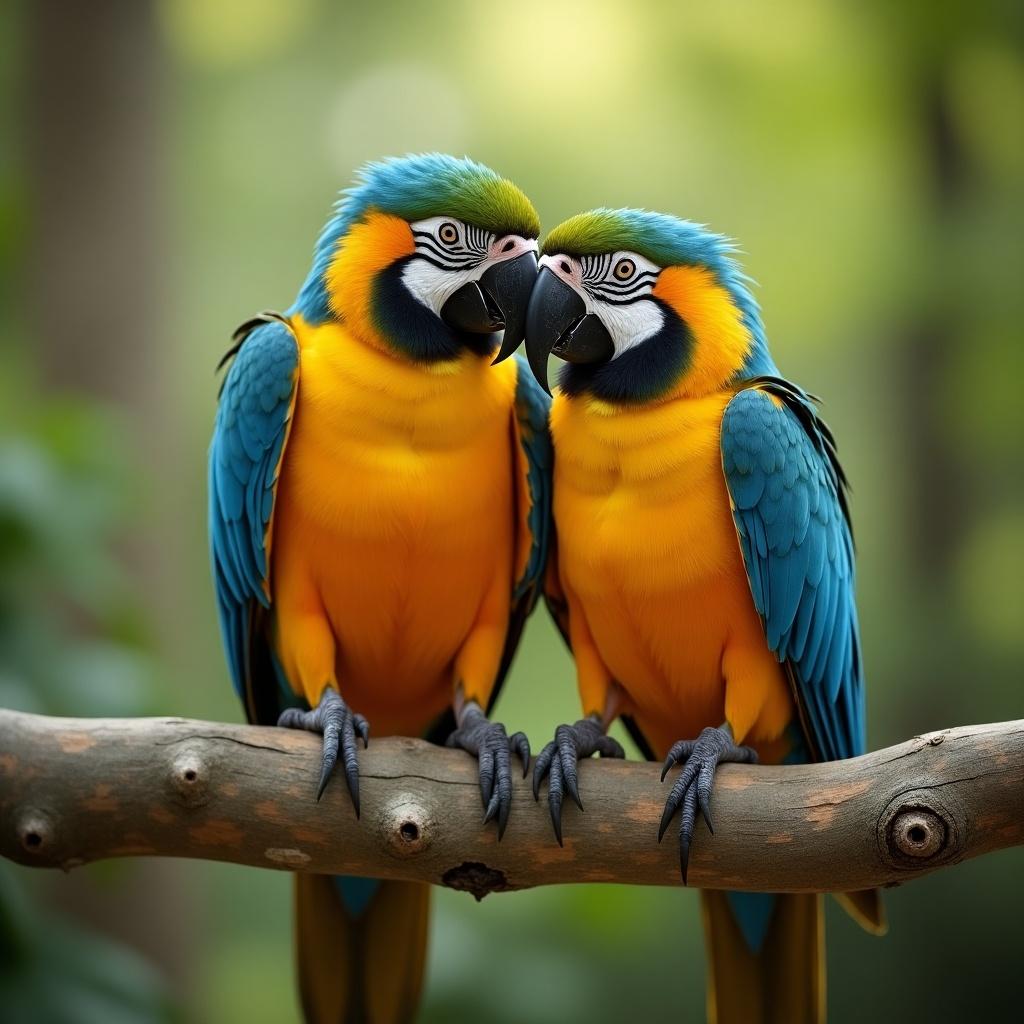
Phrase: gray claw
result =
(692, 789)
(559, 760)
(492, 747)
(335, 722)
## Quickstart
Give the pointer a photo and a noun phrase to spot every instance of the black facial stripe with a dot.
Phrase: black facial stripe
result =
(620, 296)
(425, 238)
(640, 281)
(595, 267)
(598, 276)
(426, 242)
(446, 255)
(611, 301)
(477, 239)
(620, 282)
(466, 264)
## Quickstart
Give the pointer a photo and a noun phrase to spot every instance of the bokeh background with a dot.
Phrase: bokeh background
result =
(164, 169)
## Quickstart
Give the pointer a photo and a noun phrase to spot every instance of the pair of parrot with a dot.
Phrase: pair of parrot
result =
(386, 488)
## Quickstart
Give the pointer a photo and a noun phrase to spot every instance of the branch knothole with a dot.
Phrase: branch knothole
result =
(406, 826)
(476, 878)
(189, 779)
(35, 833)
(918, 831)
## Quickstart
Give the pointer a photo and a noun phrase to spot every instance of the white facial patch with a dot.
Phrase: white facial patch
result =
(433, 285)
(629, 325)
(450, 254)
(615, 287)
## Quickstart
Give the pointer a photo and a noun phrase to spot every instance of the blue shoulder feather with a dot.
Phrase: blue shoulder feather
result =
(789, 506)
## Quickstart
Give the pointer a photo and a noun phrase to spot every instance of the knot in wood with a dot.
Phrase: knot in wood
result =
(35, 833)
(476, 878)
(406, 826)
(919, 832)
(189, 779)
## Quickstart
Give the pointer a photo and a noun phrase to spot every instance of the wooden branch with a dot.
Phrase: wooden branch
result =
(78, 790)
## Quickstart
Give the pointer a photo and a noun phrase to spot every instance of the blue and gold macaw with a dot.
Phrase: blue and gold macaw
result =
(705, 569)
(379, 512)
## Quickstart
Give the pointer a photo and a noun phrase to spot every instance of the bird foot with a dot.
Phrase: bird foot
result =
(492, 746)
(339, 726)
(559, 759)
(692, 790)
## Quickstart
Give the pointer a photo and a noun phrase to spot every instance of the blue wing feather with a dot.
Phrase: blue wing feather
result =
(789, 506)
(533, 488)
(255, 409)
(531, 422)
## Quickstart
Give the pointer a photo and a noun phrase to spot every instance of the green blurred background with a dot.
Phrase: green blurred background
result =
(164, 170)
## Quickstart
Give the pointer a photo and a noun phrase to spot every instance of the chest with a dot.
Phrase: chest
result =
(640, 499)
(380, 450)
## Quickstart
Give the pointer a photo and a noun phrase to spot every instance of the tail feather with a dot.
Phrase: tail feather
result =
(865, 906)
(364, 968)
(784, 983)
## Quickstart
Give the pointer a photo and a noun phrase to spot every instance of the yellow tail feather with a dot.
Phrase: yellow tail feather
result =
(785, 982)
(865, 906)
(362, 970)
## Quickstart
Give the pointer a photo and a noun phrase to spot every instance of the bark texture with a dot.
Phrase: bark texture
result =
(79, 790)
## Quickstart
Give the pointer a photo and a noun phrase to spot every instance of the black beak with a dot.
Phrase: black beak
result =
(557, 321)
(498, 300)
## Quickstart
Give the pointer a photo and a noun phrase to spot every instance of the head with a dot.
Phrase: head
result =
(426, 256)
(642, 306)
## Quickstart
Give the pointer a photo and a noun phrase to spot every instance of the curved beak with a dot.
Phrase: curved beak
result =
(557, 322)
(498, 300)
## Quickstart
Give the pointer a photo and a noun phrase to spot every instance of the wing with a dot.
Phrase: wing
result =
(253, 419)
(788, 498)
(532, 459)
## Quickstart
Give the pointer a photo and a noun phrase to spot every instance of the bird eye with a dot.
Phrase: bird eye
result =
(448, 233)
(624, 270)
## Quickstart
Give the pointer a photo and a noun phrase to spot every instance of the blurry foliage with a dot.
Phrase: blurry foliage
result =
(54, 973)
(71, 642)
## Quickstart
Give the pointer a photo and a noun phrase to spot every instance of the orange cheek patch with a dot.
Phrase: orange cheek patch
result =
(370, 246)
(721, 341)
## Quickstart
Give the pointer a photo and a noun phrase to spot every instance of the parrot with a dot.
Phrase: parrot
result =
(703, 564)
(379, 516)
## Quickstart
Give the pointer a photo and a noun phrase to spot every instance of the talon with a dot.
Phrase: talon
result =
(572, 784)
(486, 775)
(555, 793)
(363, 728)
(334, 721)
(687, 818)
(691, 791)
(666, 816)
(492, 747)
(325, 775)
(522, 747)
(492, 809)
(540, 769)
(679, 752)
(559, 760)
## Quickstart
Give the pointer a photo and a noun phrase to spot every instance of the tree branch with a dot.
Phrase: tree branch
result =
(78, 790)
